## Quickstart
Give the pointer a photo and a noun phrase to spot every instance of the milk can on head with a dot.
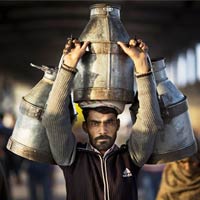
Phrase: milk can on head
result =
(105, 72)
(176, 141)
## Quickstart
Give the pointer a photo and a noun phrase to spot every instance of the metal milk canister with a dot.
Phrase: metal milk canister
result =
(176, 141)
(29, 139)
(105, 72)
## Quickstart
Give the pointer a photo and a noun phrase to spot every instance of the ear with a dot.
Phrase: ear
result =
(118, 124)
(84, 126)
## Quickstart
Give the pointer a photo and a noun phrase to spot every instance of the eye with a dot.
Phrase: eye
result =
(110, 122)
(93, 123)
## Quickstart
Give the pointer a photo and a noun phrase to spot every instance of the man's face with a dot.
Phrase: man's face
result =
(102, 130)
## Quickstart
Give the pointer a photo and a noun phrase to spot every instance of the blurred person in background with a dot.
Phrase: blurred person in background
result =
(40, 180)
(181, 179)
(11, 163)
(100, 169)
(149, 179)
(4, 194)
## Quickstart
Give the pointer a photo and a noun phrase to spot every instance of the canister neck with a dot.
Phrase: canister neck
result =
(158, 67)
(49, 72)
(51, 75)
(105, 9)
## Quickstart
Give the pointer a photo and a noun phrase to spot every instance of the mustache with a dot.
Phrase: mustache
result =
(102, 137)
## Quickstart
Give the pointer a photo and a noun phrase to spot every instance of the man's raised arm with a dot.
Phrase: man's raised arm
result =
(148, 119)
(56, 118)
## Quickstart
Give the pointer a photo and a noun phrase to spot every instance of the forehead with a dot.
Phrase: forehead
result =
(94, 115)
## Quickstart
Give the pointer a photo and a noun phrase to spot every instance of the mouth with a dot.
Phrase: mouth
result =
(103, 140)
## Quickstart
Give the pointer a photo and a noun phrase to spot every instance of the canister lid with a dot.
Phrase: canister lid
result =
(103, 5)
(105, 9)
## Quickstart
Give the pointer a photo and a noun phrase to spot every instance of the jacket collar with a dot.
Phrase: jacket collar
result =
(91, 148)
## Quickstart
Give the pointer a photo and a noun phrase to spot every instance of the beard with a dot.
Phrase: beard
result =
(102, 142)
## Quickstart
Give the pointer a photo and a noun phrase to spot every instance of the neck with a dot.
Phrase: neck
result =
(102, 152)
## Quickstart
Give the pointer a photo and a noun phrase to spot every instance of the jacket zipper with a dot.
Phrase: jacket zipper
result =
(105, 177)
(103, 161)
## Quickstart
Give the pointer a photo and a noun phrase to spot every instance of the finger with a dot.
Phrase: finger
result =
(76, 43)
(69, 41)
(132, 42)
(139, 41)
(67, 49)
(67, 46)
(141, 45)
(85, 44)
(145, 48)
(123, 46)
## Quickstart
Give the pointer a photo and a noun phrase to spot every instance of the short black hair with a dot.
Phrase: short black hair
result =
(100, 109)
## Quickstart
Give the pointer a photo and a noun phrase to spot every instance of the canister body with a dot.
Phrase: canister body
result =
(105, 72)
(176, 140)
(29, 139)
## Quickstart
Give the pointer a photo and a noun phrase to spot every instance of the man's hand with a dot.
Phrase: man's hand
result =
(73, 51)
(137, 51)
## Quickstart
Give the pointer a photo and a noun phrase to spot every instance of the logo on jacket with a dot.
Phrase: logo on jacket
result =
(127, 173)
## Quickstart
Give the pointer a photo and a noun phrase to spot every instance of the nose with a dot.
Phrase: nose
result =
(103, 128)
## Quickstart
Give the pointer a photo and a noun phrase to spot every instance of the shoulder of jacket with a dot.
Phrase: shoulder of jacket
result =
(81, 145)
(124, 147)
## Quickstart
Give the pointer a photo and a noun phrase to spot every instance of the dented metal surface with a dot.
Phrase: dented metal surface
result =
(29, 139)
(176, 141)
(104, 72)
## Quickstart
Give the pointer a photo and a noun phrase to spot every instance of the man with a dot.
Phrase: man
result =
(4, 193)
(101, 170)
(4, 184)
(181, 179)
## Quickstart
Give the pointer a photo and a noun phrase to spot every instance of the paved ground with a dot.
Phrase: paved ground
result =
(20, 192)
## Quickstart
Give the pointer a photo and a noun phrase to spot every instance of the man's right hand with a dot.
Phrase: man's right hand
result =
(73, 51)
